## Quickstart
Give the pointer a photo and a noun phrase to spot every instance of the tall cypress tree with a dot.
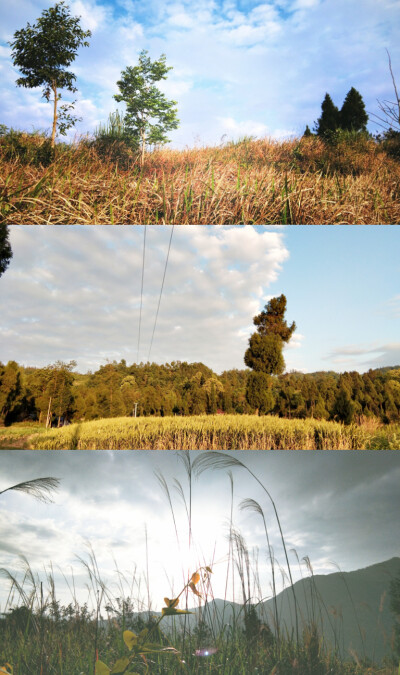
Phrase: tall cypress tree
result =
(330, 117)
(264, 354)
(353, 116)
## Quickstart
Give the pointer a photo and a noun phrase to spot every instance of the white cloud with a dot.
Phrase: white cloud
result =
(362, 357)
(244, 128)
(92, 15)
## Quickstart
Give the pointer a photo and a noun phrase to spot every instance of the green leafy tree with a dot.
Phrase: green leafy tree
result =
(149, 114)
(5, 249)
(353, 116)
(43, 52)
(330, 117)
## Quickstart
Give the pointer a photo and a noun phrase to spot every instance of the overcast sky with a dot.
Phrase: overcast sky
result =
(239, 68)
(73, 292)
(335, 507)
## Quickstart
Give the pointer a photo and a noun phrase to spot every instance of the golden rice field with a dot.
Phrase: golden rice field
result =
(208, 432)
(301, 181)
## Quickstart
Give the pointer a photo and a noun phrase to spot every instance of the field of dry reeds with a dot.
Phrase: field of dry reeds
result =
(202, 432)
(300, 181)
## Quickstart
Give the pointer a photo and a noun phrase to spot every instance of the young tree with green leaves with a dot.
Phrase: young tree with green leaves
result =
(264, 354)
(43, 52)
(353, 116)
(149, 114)
(5, 249)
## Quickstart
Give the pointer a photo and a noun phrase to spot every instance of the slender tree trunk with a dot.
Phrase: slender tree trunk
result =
(53, 132)
(143, 134)
(48, 414)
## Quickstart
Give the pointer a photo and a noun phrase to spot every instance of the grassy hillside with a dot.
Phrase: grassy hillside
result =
(299, 181)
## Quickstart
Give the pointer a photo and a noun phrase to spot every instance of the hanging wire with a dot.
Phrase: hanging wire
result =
(141, 292)
(162, 286)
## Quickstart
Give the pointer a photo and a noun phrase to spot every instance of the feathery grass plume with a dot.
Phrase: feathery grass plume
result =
(252, 505)
(40, 488)
(217, 460)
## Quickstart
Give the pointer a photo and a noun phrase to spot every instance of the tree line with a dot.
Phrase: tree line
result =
(181, 388)
(56, 394)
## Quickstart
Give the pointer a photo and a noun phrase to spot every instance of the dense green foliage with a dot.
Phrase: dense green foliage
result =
(329, 120)
(43, 52)
(264, 354)
(5, 249)
(353, 116)
(180, 388)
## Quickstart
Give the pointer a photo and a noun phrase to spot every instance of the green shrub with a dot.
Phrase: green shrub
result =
(28, 148)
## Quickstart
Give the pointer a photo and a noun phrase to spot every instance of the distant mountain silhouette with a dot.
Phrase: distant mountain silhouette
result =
(351, 610)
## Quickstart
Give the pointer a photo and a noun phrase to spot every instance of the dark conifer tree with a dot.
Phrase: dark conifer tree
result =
(264, 354)
(271, 320)
(353, 116)
(5, 249)
(330, 117)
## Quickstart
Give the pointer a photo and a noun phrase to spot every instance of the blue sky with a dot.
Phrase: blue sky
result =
(239, 68)
(73, 292)
(338, 508)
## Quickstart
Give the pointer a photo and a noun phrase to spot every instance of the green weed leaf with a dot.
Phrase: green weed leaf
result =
(101, 668)
(130, 639)
(120, 666)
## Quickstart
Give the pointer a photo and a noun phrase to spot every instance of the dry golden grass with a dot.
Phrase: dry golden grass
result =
(204, 432)
(252, 182)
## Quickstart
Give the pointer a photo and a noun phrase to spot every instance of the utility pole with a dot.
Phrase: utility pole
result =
(135, 411)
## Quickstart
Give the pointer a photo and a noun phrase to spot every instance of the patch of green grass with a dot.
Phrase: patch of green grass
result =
(17, 435)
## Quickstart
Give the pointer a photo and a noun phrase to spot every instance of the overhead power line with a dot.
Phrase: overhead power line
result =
(141, 292)
(162, 286)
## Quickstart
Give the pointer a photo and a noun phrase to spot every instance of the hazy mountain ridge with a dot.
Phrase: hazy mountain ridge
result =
(354, 606)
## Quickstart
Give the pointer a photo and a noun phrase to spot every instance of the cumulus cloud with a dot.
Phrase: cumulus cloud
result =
(77, 294)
